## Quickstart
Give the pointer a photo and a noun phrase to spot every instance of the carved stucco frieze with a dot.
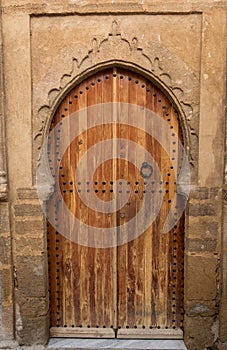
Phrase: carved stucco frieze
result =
(154, 60)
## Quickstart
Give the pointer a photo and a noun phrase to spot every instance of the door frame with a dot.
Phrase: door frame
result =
(156, 333)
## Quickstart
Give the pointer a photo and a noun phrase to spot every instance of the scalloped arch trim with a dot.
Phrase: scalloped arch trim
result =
(161, 66)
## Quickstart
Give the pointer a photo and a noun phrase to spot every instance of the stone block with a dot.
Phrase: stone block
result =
(5, 249)
(34, 331)
(223, 320)
(201, 209)
(28, 209)
(201, 245)
(202, 193)
(32, 307)
(29, 226)
(202, 227)
(32, 275)
(200, 283)
(7, 322)
(30, 245)
(6, 285)
(4, 217)
(27, 193)
(198, 332)
(200, 308)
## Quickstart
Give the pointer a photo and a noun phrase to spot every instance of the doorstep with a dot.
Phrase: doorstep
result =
(120, 344)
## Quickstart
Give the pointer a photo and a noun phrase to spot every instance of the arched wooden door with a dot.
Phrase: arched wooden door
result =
(132, 290)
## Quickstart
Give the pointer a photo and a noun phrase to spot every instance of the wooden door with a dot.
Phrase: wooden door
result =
(128, 290)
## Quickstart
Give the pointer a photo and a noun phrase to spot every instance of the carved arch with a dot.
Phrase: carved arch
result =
(155, 62)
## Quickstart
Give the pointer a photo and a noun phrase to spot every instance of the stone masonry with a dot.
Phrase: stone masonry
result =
(46, 47)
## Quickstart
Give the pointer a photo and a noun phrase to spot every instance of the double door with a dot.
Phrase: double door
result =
(111, 273)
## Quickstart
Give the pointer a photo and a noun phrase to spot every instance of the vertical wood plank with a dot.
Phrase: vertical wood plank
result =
(123, 173)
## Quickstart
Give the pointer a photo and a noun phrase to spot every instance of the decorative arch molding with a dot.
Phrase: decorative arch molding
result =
(164, 68)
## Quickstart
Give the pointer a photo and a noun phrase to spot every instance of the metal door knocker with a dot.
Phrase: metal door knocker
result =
(146, 170)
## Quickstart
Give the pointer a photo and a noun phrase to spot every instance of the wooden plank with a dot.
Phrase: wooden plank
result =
(123, 173)
(149, 233)
(142, 278)
(67, 261)
(114, 179)
(130, 268)
(108, 265)
(93, 254)
(83, 251)
(150, 334)
(82, 332)
(75, 204)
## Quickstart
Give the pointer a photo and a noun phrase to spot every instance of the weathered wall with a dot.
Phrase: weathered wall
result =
(6, 283)
(48, 46)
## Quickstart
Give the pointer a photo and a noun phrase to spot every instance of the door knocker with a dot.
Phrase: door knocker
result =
(146, 170)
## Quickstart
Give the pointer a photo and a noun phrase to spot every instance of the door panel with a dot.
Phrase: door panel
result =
(134, 289)
(81, 284)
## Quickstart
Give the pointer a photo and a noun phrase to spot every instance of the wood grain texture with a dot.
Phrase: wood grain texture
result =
(150, 334)
(82, 332)
(136, 287)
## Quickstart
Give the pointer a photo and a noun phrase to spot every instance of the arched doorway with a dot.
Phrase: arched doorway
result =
(127, 290)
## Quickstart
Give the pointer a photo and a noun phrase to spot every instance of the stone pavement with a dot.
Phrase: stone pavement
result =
(101, 344)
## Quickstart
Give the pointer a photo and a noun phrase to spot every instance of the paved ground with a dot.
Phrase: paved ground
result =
(101, 344)
(64, 343)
